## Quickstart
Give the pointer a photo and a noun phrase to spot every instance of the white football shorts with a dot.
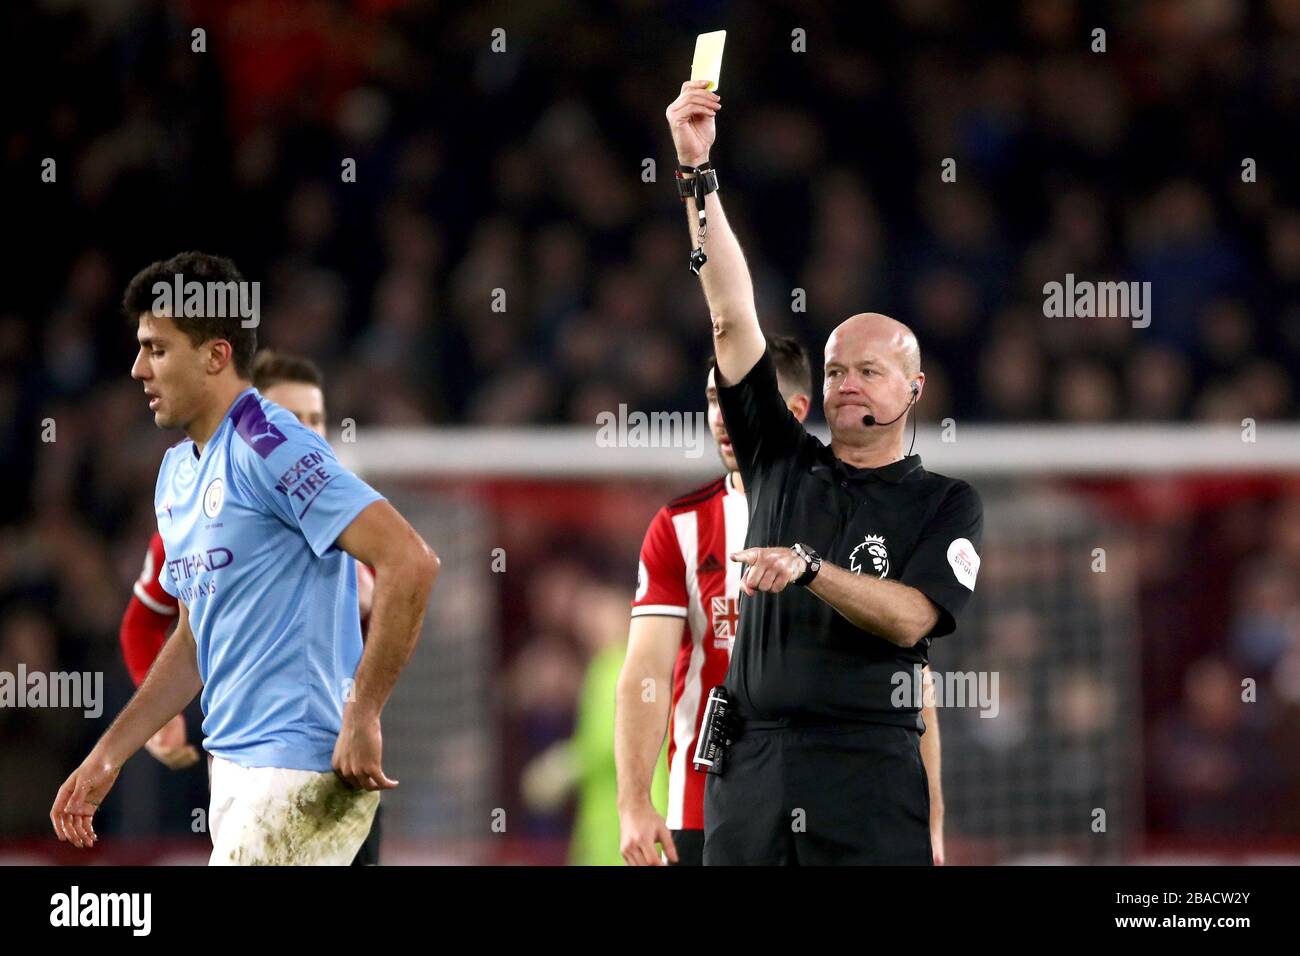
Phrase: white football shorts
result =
(270, 816)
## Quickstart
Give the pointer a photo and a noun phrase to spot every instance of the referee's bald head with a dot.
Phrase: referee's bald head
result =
(878, 334)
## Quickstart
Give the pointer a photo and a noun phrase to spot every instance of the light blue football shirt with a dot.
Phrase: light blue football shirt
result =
(249, 528)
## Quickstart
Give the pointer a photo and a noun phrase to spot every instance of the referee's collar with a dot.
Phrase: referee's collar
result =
(893, 473)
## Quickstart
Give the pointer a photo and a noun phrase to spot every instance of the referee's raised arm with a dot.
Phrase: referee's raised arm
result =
(716, 256)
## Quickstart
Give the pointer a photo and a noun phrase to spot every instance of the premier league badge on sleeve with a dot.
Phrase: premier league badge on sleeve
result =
(870, 555)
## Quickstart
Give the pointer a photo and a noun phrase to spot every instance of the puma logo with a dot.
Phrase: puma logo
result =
(710, 565)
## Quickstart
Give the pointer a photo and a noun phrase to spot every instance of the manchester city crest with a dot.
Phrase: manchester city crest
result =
(213, 496)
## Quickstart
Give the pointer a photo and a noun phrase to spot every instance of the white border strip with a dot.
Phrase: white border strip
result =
(658, 610)
(148, 601)
(569, 452)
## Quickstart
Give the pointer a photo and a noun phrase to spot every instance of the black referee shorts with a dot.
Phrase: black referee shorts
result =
(817, 795)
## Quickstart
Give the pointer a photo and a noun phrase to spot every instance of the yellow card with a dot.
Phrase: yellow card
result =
(707, 64)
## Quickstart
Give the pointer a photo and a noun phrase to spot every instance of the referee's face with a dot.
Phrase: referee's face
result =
(866, 359)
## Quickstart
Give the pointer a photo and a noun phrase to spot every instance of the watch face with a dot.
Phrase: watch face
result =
(812, 563)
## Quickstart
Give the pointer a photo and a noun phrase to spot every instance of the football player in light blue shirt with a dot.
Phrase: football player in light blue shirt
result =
(258, 518)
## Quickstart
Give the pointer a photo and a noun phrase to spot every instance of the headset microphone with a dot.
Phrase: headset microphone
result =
(870, 419)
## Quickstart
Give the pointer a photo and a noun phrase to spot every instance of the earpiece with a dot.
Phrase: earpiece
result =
(870, 419)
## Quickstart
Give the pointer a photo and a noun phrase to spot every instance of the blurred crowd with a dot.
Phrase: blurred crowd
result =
(504, 255)
(1221, 625)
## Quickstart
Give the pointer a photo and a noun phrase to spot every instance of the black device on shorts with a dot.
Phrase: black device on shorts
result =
(716, 732)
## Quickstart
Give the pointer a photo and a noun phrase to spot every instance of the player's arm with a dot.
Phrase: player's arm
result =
(172, 682)
(933, 769)
(170, 685)
(149, 616)
(643, 701)
(728, 288)
(405, 569)
(143, 634)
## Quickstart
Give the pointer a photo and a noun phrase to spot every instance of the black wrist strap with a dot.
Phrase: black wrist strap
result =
(813, 560)
(704, 181)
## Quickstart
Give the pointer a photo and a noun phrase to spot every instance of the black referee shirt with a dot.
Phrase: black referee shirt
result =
(795, 657)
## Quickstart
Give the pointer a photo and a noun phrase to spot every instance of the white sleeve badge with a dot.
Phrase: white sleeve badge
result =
(965, 562)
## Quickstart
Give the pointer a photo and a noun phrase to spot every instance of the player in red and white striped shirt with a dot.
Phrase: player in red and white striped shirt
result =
(683, 624)
(684, 619)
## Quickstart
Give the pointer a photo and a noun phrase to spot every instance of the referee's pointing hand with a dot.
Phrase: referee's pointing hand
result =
(770, 569)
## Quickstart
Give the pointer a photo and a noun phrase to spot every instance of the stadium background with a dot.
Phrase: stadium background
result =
(522, 170)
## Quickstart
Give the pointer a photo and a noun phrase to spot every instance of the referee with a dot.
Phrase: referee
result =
(856, 559)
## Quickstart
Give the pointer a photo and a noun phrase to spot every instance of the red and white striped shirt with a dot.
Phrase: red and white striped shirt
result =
(146, 586)
(149, 617)
(684, 572)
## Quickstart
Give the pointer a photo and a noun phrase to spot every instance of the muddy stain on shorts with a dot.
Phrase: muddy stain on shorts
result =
(318, 822)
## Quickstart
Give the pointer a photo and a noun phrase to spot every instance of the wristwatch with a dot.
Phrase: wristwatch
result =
(812, 559)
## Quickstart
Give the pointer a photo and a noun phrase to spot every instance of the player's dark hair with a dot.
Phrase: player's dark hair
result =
(272, 368)
(197, 267)
(793, 367)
